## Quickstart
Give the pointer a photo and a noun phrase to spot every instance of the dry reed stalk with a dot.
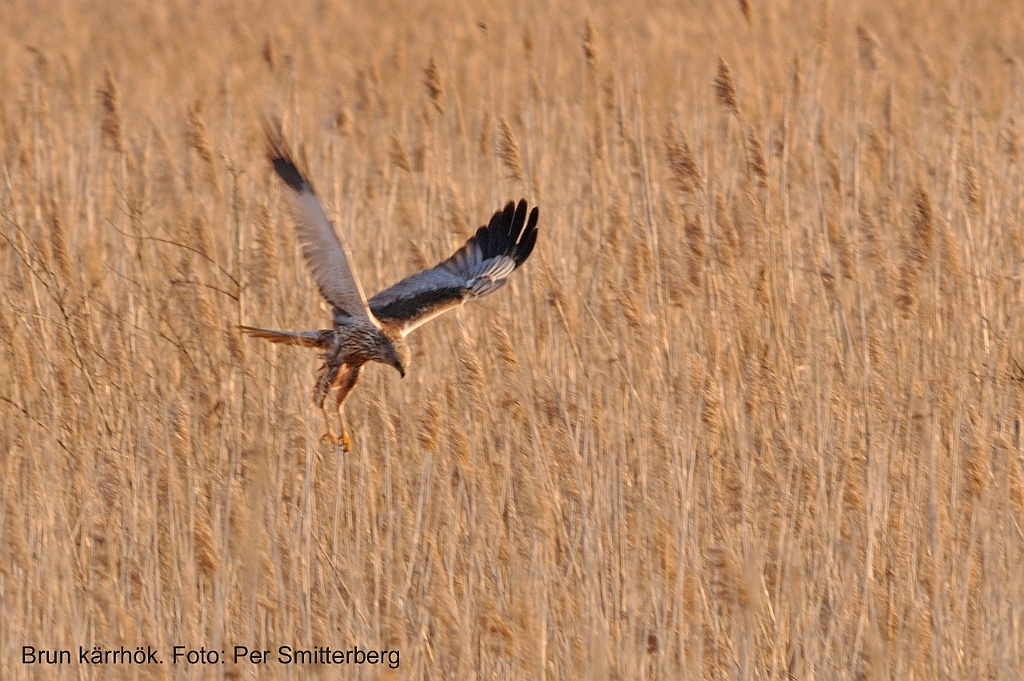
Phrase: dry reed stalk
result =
(207, 556)
(343, 122)
(472, 379)
(972, 189)
(618, 220)
(840, 245)
(725, 89)
(399, 156)
(195, 133)
(418, 258)
(631, 308)
(456, 215)
(727, 243)
(727, 581)
(831, 159)
(58, 243)
(756, 163)
(589, 45)
(424, 144)
(484, 145)
(696, 250)
(366, 94)
(599, 142)
(919, 248)
(269, 53)
(745, 10)
(949, 262)
(429, 432)
(685, 172)
(867, 47)
(398, 57)
(506, 350)
(873, 250)
(111, 118)
(199, 236)
(508, 150)
(434, 85)
(1011, 142)
(262, 267)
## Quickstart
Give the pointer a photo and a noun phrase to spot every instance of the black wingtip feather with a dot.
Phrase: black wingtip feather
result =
(504, 236)
(518, 220)
(528, 239)
(510, 232)
(287, 171)
(281, 157)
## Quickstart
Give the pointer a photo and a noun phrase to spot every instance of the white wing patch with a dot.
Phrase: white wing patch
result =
(492, 278)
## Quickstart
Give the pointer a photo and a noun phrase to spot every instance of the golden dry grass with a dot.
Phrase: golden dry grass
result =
(752, 409)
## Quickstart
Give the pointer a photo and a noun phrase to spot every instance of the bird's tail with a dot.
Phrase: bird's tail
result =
(309, 339)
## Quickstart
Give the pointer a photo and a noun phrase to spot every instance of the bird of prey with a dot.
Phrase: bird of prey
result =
(375, 329)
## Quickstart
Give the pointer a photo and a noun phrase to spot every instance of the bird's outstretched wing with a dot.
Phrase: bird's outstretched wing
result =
(325, 255)
(480, 267)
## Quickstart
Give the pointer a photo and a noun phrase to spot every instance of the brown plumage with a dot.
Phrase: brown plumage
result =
(375, 329)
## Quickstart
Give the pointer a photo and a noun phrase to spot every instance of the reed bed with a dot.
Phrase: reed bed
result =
(752, 409)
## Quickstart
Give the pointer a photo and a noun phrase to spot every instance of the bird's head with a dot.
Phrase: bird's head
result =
(396, 353)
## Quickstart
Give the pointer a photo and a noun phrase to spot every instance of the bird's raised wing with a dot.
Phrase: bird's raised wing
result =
(480, 267)
(325, 255)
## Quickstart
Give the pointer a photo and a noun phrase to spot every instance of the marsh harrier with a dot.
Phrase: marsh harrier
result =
(375, 329)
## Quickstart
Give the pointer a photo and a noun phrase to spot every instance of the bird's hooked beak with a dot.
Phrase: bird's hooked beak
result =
(400, 356)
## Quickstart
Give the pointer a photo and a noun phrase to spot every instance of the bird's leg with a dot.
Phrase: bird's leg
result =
(330, 437)
(345, 382)
(328, 376)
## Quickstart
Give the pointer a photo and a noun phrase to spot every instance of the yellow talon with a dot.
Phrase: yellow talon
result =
(332, 438)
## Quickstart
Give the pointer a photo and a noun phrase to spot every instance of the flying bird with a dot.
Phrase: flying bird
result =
(375, 329)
